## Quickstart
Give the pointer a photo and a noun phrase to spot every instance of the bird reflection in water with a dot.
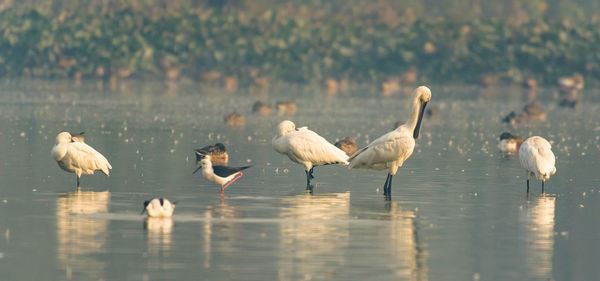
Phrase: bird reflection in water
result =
(227, 232)
(537, 222)
(80, 239)
(159, 231)
(407, 249)
(314, 235)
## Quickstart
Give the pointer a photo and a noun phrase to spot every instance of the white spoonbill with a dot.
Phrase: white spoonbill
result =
(306, 148)
(77, 157)
(392, 149)
(222, 175)
(159, 207)
(537, 159)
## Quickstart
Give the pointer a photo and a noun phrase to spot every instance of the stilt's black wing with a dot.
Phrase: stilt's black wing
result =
(224, 171)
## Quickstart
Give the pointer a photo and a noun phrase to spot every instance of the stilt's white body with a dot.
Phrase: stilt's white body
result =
(537, 159)
(77, 157)
(392, 149)
(306, 147)
(209, 174)
(156, 209)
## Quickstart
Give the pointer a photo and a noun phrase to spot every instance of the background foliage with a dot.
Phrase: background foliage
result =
(301, 41)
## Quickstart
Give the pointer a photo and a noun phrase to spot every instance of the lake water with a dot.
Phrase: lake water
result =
(459, 209)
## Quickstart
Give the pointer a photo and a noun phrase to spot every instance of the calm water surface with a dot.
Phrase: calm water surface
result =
(459, 210)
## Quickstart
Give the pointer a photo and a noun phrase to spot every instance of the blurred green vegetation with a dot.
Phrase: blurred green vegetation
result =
(310, 41)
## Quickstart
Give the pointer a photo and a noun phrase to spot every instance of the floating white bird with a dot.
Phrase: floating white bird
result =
(509, 143)
(159, 207)
(222, 175)
(537, 159)
(77, 157)
(392, 149)
(306, 148)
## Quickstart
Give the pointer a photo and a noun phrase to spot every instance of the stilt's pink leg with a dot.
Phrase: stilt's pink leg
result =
(233, 180)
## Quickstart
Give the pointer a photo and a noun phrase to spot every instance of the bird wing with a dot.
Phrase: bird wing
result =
(527, 157)
(393, 146)
(225, 171)
(536, 156)
(87, 158)
(306, 145)
(546, 160)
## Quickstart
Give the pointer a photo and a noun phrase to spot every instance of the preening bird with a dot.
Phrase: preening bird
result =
(306, 148)
(159, 207)
(77, 157)
(509, 143)
(537, 159)
(222, 175)
(392, 149)
(217, 153)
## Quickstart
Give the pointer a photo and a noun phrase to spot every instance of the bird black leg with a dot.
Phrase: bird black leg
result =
(387, 185)
(527, 185)
(542, 186)
(389, 193)
(78, 182)
(309, 187)
(310, 173)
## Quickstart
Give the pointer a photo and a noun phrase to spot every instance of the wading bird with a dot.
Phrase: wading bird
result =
(348, 145)
(217, 153)
(261, 108)
(77, 157)
(222, 175)
(159, 207)
(306, 148)
(509, 143)
(235, 120)
(392, 149)
(537, 159)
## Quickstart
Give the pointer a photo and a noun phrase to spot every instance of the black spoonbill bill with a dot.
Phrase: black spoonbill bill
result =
(537, 159)
(77, 157)
(159, 207)
(392, 149)
(306, 148)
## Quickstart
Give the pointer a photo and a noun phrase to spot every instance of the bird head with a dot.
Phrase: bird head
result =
(63, 137)
(286, 127)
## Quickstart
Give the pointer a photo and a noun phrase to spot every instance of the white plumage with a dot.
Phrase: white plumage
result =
(159, 207)
(306, 148)
(537, 159)
(392, 149)
(77, 157)
(221, 175)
